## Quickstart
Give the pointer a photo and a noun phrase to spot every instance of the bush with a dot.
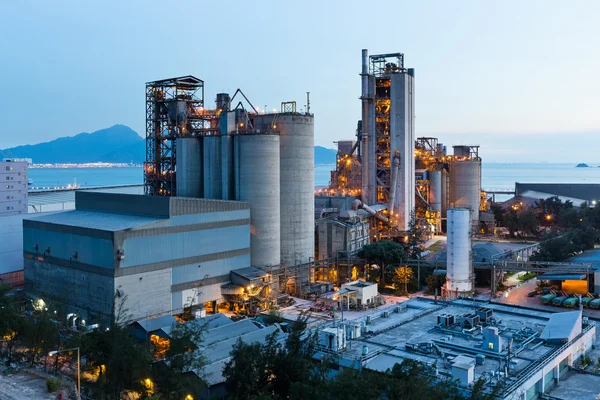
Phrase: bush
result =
(53, 385)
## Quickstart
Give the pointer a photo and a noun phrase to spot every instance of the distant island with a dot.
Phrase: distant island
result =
(582, 165)
(118, 144)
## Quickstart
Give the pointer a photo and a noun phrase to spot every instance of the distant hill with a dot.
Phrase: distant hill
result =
(117, 144)
(324, 155)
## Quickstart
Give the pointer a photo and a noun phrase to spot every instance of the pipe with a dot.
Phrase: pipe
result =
(365, 130)
(371, 211)
(395, 174)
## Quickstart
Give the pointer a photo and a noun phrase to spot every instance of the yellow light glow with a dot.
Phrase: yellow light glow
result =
(189, 397)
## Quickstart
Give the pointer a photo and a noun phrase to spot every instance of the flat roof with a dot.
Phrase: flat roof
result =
(250, 273)
(103, 221)
(49, 197)
(417, 324)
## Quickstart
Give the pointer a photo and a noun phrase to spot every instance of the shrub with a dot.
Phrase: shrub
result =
(53, 384)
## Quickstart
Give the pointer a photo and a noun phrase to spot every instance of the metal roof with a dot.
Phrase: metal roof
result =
(562, 326)
(229, 331)
(221, 350)
(98, 220)
(561, 277)
(153, 324)
(250, 273)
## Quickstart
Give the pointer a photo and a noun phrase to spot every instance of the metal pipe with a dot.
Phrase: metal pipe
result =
(371, 211)
(393, 189)
(365, 130)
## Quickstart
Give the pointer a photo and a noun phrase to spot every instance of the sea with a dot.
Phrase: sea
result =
(494, 176)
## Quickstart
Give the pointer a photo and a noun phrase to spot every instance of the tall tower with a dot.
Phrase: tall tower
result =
(388, 135)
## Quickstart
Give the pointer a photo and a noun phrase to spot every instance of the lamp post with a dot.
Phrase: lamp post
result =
(78, 367)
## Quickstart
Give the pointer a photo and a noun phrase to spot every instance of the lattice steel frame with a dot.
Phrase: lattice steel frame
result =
(174, 108)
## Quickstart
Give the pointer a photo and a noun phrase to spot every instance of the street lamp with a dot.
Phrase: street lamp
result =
(78, 367)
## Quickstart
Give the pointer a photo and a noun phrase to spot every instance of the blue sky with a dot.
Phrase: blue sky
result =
(518, 77)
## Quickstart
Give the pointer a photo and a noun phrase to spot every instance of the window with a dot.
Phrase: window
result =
(8, 168)
(491, 346)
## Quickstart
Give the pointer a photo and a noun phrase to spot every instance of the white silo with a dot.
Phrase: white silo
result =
(189, 167)
(459, 265)
(435, 184)
(256, 165)
(465, 186)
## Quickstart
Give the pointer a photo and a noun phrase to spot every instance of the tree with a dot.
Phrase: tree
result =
(182, 356)
(435, 281)
(403, 275)
(414, 237)
(11, 323)
(383, 253)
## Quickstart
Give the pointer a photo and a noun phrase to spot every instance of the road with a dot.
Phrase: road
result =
(24, 386)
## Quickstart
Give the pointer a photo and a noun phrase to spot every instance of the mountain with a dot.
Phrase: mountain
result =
(118, 143)
(324, 155)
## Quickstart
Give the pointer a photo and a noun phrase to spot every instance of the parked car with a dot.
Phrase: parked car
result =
(532, 294)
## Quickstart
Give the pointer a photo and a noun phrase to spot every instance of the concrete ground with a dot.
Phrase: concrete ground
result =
(23, 385)
(577, 386)
(518, 297)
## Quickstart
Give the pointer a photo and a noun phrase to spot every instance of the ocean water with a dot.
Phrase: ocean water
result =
(495, 176)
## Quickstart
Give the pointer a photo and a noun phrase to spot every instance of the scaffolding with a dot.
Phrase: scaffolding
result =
(174, 108)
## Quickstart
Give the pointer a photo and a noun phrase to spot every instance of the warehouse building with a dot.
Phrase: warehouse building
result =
(153, 255)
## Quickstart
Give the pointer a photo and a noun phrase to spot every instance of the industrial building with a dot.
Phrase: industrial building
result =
(235, 152)
(13, 186)
(154, 254)
(391, 172)
(525, 353)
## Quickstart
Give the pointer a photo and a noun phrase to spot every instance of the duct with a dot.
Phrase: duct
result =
(365, 124)
(421, 197)
(394, 188)
(368, 209)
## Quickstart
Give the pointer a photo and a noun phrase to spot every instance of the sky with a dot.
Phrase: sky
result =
(520, 78)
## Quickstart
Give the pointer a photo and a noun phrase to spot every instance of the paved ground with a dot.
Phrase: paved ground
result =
(24, 386)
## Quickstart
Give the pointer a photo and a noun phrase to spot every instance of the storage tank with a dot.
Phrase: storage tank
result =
(465, 186)
(459, 276)
(297, 188)
(297, 183)
(212, 158)
(188, 167)
(435, 185)
(256, 165)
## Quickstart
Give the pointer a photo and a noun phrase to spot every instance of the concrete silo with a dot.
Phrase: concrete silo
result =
(256, 165)
(465, 186)
(296, 132)
(189, 167)
(460, 274)
(212, 167)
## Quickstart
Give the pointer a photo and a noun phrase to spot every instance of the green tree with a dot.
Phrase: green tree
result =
(12, 324)
(415, 237)
(383, 253)
(435, 281)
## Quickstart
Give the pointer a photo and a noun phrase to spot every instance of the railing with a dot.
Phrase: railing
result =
(536, 366)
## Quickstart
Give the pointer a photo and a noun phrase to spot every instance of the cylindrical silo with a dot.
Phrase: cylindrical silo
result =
(459, 275)
(297, 188)
(435, 185)
(465, 186)
(212, 167)
(297, 136)
(256, 166)
(188, 172)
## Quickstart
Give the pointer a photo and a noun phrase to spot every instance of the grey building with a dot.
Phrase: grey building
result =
(155, 254)
(13, 187)
(348, 233)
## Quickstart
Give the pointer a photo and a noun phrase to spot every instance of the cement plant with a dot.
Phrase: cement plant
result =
(230, 231)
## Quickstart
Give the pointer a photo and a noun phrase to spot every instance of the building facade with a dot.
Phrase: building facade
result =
(147, 255)
(13, 187)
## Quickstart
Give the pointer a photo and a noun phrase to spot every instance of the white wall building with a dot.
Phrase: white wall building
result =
(13, 187)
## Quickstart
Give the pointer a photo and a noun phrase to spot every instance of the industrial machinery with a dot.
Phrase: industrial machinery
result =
(236, 152)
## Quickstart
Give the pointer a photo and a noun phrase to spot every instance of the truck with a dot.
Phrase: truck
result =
(558, 300)
(571, 302)
(547, 298)
(585, 300)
